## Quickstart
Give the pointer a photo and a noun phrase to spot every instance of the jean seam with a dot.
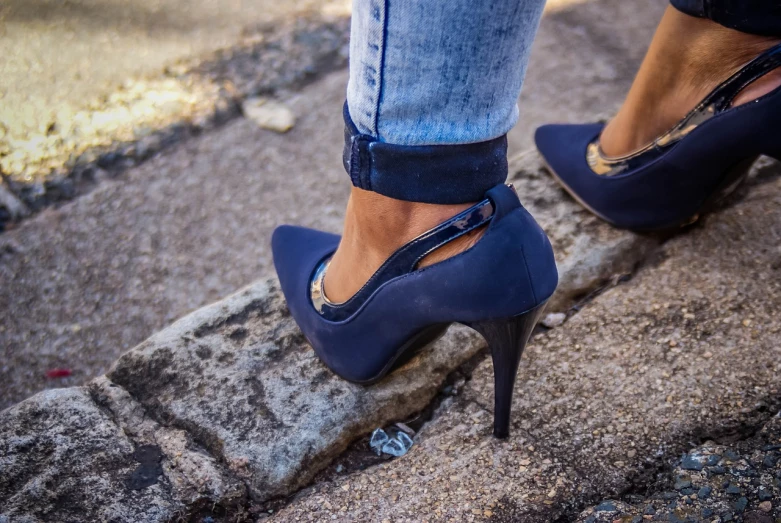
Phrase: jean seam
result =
(381, 72)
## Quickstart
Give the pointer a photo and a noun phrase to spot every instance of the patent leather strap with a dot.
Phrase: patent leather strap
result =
(718, 101)
(403, 261)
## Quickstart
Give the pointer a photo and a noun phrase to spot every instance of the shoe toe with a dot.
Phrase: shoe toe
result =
(564, 147)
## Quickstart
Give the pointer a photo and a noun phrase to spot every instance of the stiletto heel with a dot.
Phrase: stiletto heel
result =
(507, 339)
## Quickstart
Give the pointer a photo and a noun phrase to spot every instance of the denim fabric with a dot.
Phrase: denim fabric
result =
(438, 72)
(760, 17)
(443, 174)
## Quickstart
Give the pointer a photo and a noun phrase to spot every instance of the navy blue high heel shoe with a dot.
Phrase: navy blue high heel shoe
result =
(498, 287)
(670, 182)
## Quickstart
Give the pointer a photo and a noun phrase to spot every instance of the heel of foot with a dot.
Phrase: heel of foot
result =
(452, 248)
(759, 88)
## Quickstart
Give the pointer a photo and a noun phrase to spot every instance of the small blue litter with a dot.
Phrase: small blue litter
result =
(378, 440)
(398, 445)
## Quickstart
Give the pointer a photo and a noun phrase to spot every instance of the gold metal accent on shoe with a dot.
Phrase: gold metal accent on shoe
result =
(605, 165)
(317, 288)
(718, 101)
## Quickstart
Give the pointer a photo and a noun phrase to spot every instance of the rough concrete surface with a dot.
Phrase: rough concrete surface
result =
(228, 408)
(240, 378)
(85, 282)
(100, 43)
(685, 352)
(648, 390)
(63, 459)
(740, 481)
(66, 60)
(67, 153)
(93, 454)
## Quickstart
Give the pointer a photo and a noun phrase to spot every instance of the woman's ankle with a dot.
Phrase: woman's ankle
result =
(375, 227)
(686, 60)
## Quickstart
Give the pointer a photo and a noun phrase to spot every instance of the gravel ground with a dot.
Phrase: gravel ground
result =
(719, 483)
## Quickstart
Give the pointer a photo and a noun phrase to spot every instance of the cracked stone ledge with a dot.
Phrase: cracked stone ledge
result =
(67, 156)
(195, 477)
(685, 352)
(237, 405)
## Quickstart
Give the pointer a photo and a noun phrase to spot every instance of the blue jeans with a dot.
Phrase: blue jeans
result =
(432, 93)
(432, 72)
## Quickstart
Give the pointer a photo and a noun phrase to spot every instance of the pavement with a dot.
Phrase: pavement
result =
(668, 354)
(101, 43)
(58, 141)
(658, 395)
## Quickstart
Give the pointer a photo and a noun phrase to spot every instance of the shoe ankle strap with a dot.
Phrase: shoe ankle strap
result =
(403, 261)
(722, 97)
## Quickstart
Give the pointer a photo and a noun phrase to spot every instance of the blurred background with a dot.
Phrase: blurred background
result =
(81, 74)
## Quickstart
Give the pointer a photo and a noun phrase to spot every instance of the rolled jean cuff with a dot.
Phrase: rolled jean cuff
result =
(441, 174)
(759, 17)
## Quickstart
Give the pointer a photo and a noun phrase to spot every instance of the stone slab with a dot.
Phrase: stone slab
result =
(92, 454)
(63, 459)
(685, 352)
(240, 378)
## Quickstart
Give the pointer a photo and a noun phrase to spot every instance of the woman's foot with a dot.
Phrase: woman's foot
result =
(498, 287)
(687, 59)
(374, 227)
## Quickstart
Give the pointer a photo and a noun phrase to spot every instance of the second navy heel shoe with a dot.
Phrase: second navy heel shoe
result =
(670, 182)
(498, 287)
